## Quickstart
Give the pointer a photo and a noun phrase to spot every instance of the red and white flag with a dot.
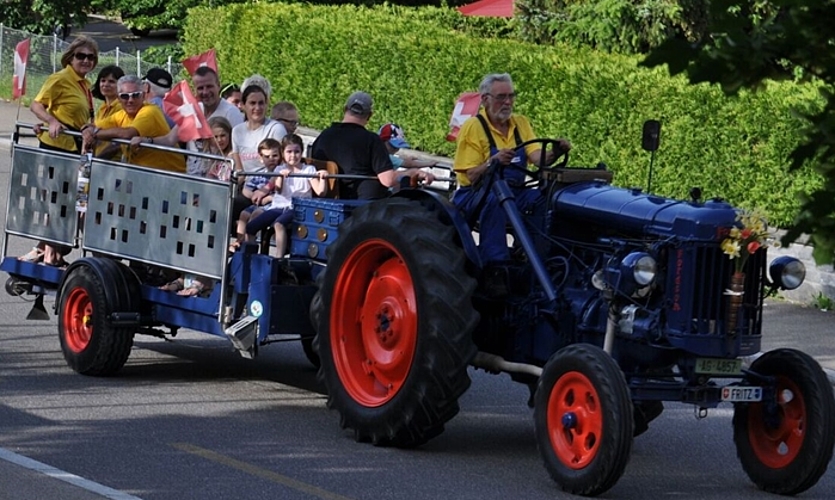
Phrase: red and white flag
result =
(208, 58)
(465, 107)
(21, 57)
(183, 108)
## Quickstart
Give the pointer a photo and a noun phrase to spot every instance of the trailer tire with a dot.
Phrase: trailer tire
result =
(395, 330)
(93, 290)
(786, 448)
(583, 416)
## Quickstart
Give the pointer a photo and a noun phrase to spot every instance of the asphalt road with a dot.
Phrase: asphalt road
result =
(190, 419)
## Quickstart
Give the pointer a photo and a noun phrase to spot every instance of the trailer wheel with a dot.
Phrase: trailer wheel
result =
(394, 334)
(785, 445)
(583, 418)
(90, 343)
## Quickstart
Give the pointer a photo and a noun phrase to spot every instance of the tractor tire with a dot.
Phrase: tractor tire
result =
(310, 351)
(785, 446)
(395, 328)
(90, 343)
(583, 416)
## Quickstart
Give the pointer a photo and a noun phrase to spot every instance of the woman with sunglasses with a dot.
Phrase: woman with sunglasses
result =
(64, 103)
(105, 90)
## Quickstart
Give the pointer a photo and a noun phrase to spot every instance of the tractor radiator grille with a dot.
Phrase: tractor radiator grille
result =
(697, 279)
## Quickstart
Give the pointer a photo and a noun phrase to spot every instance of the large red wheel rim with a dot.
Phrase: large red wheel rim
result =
(374, 323)
(78, 320)
(778, 446)
(575, 420)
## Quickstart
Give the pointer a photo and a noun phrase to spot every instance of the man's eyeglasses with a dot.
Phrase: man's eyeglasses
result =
(130, 95)
(294, 123)
(504, 97)
(83, 55)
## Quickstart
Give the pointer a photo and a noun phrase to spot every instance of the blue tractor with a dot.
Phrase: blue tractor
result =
(614, 302)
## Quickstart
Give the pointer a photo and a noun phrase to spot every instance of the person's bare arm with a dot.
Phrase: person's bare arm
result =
(40, 112)
(389, 177)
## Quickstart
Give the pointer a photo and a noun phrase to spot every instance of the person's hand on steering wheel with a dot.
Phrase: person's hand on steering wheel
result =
(503, 156)
(562, 146)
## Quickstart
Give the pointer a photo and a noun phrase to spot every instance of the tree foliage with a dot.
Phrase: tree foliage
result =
(44, 17)
(754, 42)
(628, 26)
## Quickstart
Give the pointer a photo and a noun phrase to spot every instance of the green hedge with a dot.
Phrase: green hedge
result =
(415, 62)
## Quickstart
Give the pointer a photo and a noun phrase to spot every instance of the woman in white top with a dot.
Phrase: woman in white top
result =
(279, 212)
(257, 127)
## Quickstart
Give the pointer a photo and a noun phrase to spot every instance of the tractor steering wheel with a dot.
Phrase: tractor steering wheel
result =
(542, 164)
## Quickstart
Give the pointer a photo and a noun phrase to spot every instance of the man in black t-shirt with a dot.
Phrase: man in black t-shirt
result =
(358, 151)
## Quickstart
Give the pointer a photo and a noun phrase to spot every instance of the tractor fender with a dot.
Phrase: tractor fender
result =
(121, 284)
(448, 214)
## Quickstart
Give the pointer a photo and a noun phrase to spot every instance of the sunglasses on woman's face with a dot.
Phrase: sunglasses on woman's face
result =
(130, 95)
(83, 55)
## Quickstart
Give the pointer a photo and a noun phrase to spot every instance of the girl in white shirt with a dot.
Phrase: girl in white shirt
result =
(279, 212)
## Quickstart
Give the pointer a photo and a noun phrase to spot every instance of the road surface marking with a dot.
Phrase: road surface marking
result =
(54, 473)
(258, 471)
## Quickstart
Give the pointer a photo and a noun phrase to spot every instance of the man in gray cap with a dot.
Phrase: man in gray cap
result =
(358, 151)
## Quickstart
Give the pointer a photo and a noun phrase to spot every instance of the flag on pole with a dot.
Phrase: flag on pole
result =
(21, 57)
(183, 108)
(208, 58)
(465, 107)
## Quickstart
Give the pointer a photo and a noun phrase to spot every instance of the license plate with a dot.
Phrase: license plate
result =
(741, 394)
(719, 366)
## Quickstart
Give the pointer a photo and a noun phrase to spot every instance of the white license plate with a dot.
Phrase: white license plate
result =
(742, 394)
(719, 366)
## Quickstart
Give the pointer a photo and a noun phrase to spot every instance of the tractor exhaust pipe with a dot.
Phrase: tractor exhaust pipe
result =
(496, 364)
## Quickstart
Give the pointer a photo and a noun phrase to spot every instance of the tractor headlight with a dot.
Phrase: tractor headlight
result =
(641, 266)
(786, 272)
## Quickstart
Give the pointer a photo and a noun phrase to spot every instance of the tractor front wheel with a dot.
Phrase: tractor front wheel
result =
(785, 442)
(584, 419)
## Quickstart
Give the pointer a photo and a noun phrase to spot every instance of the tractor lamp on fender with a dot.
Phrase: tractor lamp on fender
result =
(787, 273)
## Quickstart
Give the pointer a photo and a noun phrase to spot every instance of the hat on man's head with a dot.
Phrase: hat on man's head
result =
(159, 77)
(393, 134)
(359, 103)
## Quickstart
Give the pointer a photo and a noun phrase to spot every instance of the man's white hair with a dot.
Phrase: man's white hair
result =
(489, 80)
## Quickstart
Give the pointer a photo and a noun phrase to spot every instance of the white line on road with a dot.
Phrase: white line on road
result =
(52, 472)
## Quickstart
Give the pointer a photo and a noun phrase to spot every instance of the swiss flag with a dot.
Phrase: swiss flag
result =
(21, 57)
(208, 58)
(465, 107)
(182, 107)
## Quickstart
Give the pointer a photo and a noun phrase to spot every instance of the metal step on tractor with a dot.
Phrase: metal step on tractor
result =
(614, 302)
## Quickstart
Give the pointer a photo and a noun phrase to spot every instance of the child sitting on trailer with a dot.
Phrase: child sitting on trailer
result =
(297, 180)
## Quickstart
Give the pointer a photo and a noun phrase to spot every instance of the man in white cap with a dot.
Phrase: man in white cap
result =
(358, 151)
(157, 83)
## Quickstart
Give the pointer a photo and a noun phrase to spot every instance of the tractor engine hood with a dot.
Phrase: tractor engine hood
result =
(631, 211)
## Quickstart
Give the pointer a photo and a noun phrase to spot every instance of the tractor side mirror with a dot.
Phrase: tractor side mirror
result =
(651, 136)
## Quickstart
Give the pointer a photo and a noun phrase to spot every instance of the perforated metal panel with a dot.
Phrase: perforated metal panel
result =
(42, 195)
(167, 219)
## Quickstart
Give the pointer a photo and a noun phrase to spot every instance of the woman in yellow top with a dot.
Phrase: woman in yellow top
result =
(65, 101)
(105, 89)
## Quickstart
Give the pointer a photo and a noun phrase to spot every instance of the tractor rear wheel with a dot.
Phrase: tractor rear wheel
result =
(785, 443)
(395, 327)
(90, 343)
(584, 419)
